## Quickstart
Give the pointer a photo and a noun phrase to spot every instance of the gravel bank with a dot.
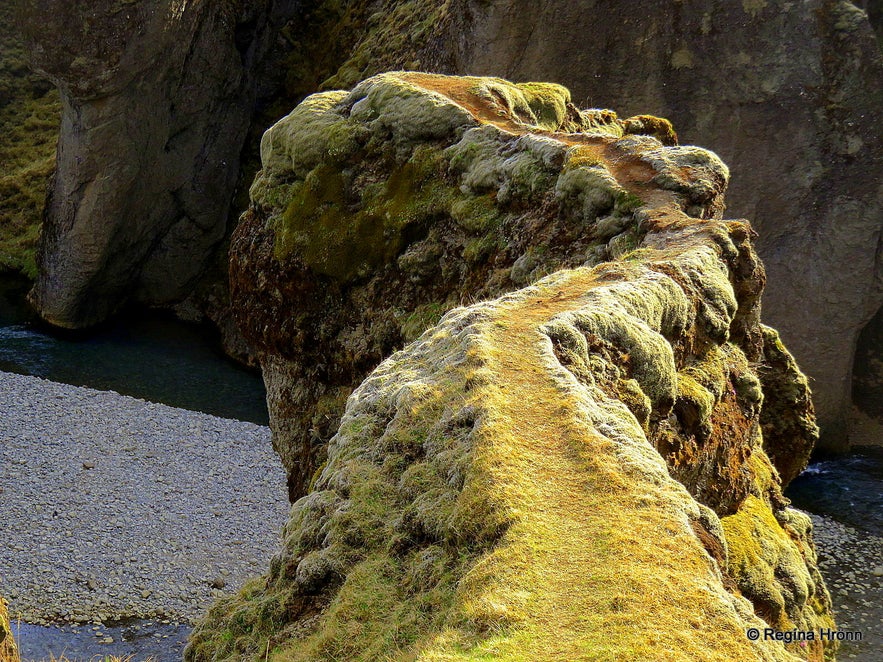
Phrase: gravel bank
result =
(852, 563)
(114, 508)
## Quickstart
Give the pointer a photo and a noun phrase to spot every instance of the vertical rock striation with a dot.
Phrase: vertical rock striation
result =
(156, 101)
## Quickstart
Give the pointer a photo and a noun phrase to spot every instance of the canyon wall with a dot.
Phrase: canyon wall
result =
(158, 98)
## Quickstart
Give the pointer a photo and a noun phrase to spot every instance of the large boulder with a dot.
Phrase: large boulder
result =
(579, 469)
(789, 94)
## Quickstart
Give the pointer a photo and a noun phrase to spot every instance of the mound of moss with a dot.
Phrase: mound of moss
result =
(29, 120)
(574, 470)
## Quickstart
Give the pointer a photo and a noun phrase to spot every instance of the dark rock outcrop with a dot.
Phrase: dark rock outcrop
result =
(789, 94)
(550, 475)
(157, 98)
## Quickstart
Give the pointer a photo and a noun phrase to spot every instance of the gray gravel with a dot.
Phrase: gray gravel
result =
(851, 562)
(113, 507)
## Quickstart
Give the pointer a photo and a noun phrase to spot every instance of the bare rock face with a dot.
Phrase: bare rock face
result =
(548, 475)
(157, 97)
(789, 94)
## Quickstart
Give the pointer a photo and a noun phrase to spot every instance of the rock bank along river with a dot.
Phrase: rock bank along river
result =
(115, 508)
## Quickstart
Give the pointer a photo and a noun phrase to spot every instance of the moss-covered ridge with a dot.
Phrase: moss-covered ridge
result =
(378, 209)
(491, 493)
(574, 470)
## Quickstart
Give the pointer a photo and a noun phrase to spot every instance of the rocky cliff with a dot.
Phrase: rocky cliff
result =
(789, 94)
(8, 650)
(588, 467)
(157, 98)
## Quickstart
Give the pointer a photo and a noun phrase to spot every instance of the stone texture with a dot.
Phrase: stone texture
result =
(789, 94)
(157, 98)
(545, 475)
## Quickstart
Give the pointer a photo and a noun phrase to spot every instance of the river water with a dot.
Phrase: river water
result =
(153, 357)
(160, 359)
(149, 356)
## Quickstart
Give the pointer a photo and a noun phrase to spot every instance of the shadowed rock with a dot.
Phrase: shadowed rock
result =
(157, 97)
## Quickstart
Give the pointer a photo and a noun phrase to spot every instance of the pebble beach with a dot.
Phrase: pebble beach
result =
(114, 508)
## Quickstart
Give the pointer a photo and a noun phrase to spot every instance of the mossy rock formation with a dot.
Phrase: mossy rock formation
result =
(789, 94)
(8, 650)
(578, 469)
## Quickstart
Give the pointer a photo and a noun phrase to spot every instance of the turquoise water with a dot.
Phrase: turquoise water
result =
(150, 356)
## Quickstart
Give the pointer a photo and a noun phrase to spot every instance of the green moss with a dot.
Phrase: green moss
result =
(345, 238)
(477, 214)
(29, 121)
(767, 562)
(391, 37)
(694, 405)
(421, 318)
(548, 102)
(478, 249)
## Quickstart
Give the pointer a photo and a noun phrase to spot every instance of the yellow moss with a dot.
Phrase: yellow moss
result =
(491, 492)
(8, 649)
(548, 102)
(769, 567)
(696, 400)
(343, 238)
